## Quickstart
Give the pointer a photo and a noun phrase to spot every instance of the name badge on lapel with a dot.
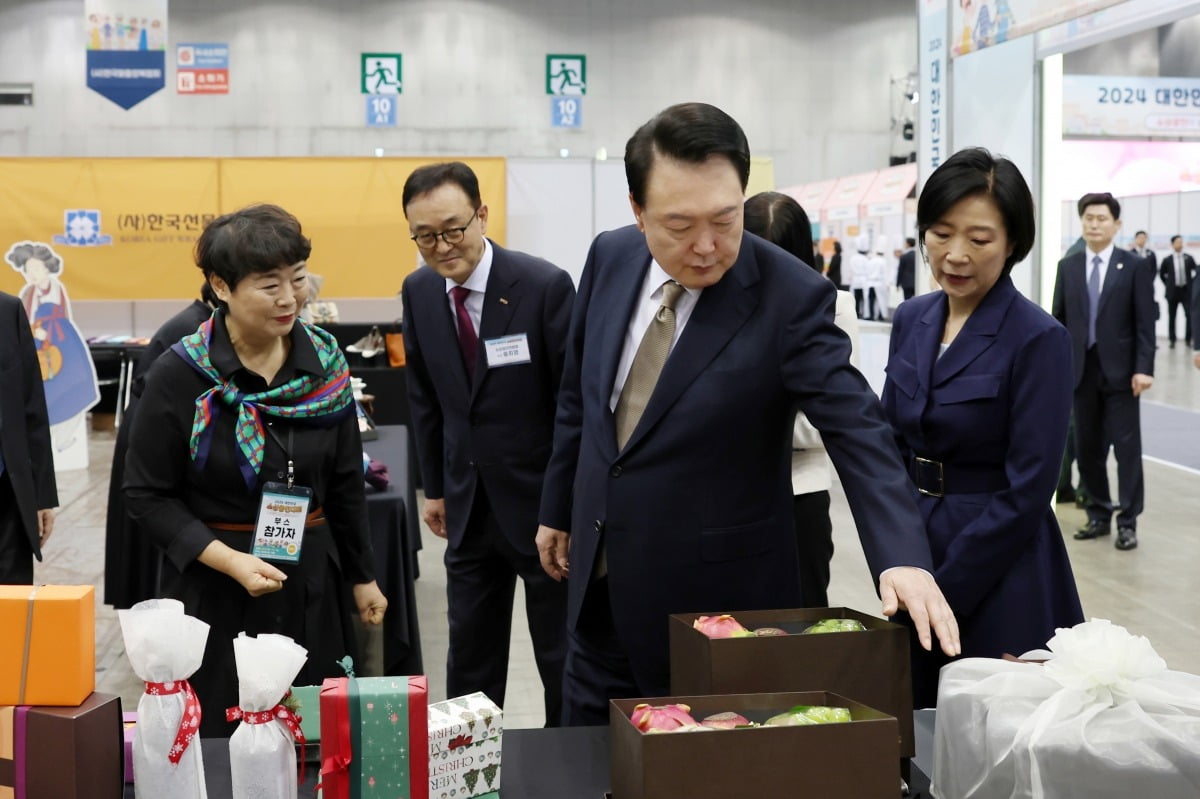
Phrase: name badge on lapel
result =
(506, 350)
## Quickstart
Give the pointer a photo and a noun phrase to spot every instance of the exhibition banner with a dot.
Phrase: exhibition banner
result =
(129, 226)
(977, 24)
(933, 135)
(126, 225)
(1130, 106)
(1111, 23)
(126, 62)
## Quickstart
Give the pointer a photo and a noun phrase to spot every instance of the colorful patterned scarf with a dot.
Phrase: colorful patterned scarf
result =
(322, 400)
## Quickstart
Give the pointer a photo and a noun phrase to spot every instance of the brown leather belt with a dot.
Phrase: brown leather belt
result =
(315, 518)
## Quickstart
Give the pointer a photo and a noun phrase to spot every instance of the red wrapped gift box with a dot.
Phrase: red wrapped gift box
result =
(375, 737)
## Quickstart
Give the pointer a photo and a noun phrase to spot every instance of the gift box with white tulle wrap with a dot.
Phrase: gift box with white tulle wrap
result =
(1102, 716)
(464, 747)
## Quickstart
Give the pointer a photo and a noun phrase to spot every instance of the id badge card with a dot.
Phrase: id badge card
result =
(279, 532)
(506, 350)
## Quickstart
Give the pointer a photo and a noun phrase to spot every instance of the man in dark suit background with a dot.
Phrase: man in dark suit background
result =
(28, 492)
(692, 345)
(906, 270)
(1105, 297)
(1141, 250)
(484, 334)
(1178, 273)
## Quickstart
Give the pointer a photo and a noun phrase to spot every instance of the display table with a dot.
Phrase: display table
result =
(567, 763)
(396, 537)
(125, 354)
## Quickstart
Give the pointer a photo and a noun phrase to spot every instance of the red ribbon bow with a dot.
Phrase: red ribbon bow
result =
(189, 722)
(280, 713)
(462, 740)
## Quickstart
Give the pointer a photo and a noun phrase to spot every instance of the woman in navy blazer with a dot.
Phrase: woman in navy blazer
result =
(978, 391)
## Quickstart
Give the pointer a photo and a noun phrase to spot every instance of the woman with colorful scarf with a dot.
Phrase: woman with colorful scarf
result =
(255, 400)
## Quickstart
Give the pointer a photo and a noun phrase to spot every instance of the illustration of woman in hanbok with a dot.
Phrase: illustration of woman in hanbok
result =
(67, 370)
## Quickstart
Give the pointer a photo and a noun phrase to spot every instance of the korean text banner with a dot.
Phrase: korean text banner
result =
(127, 227)
(126, 61)
(124, 227)
(983, 23)
(351, 209)
(1131, 107)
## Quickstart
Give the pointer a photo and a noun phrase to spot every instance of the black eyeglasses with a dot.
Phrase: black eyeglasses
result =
(427, 241)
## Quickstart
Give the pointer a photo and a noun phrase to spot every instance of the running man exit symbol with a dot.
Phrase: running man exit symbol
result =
(380, 73)
(566, 74)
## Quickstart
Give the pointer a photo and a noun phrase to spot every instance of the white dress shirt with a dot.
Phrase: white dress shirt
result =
(477, 283)
(1180, 273)
(650, 299)
(1105, 256)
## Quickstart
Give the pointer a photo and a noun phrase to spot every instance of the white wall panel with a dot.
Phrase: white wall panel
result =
(808, 80)
(543, 190)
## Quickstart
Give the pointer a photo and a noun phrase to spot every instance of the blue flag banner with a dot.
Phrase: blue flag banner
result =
(126, 78)
(126, 39)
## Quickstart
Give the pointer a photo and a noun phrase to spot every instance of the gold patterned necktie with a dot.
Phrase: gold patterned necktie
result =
(647, 364)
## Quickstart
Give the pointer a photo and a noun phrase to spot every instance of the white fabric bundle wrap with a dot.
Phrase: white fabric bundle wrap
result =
(164, 645)
(1102, 717)
(262, 757)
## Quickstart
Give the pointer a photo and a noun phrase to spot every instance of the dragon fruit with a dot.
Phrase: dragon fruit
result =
(725, 721)
(719, 626)
(662, 718)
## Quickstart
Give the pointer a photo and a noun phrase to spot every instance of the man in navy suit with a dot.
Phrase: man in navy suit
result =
(28, 493)
(484, 334)
(1105, 297)
(692, 345)
(1178, 273)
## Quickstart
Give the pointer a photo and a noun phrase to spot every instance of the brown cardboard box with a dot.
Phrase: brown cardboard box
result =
(67, 752)
(858, 759)
(871, 666)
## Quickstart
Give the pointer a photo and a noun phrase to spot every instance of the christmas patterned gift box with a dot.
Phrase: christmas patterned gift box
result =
(464, 747)
(374, 740)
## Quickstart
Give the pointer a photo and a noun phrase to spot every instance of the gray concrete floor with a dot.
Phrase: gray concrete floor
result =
(1147, 590)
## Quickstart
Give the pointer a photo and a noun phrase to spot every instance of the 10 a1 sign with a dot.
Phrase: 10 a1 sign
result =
(566, 112)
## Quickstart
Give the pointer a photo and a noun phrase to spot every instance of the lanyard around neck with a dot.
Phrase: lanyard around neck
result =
(287, 451)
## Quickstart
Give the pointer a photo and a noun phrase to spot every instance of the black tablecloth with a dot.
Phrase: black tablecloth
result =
(567, 763)
(396, 537)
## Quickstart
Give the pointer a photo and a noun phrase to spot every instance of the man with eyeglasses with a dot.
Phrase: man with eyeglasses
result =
(485, 331)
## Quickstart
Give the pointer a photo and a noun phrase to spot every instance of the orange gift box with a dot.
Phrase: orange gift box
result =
(47, 644)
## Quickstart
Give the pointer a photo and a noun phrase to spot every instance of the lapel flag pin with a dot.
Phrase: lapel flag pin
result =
(503, 301)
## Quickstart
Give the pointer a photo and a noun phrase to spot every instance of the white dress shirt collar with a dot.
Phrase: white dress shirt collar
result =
(1105, 255)
(644, 309)
(477, 283)
(479, 277)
